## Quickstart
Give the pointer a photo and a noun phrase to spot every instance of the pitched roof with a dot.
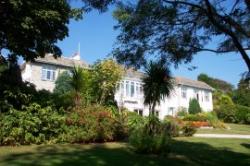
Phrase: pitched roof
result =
(177, 80)
(130, 72)
(192, 83)
(61, 61)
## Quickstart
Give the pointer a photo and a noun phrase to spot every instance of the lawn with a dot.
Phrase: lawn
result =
(234, 129)
(184, 151)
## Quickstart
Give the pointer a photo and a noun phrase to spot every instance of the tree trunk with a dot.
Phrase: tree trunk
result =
(153, 108)
(229, 32)
(242, 51)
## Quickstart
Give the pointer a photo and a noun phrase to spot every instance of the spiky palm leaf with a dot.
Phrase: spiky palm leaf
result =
(77, 83)
(158, 83)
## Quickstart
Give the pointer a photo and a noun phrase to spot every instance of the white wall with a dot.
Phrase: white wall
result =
(168, 106)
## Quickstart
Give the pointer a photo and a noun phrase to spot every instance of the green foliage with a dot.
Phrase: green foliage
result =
(242, 93)
(196, 117)
(243, 114)
(194, 107)
(224, 107)
(134, 120)
(77, 84)
(105, 74)
(172, 126)
(177, 30)
(157, 84)
(182, 112)
(93, 124)
(151, 137)
(31, 125)
(62, 83)
(210, 117)
(217, 84)
(31, 28)
(188, 130)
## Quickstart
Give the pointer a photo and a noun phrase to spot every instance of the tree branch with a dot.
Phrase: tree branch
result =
(217, 51)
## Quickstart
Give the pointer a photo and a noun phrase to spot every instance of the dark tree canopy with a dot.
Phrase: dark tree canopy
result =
(31, 28)
(216, 83)
(176, 30)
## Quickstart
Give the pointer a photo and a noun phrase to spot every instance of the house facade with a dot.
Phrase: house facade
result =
(43, 72)
(129, 94)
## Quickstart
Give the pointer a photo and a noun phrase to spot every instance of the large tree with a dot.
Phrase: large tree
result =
(106, 75)
(176, 30)
(31, 28)
(242, 93)
(216, 83)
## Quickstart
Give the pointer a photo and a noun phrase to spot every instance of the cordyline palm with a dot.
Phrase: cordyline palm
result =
(158, 84)
(77, 83)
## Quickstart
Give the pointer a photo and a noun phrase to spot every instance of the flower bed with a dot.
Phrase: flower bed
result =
(199, 124)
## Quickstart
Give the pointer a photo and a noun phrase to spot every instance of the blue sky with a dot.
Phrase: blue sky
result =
(96, 35)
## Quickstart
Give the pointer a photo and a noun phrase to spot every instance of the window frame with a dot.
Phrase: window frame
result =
(139, 111)
(48, 73)
(207, 96)
(184, 92)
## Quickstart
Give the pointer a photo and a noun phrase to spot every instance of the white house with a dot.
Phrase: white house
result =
(43, 72)
(130, 95)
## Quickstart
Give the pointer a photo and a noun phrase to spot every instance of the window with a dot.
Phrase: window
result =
(132, 90)
(141, 89)
(117, 87)
(48, 73)
(206, 96)
(139, 111)
(137, 89)
(171, 111)
(184, 92)
(127, 88)
(121, 88)
(196, 94)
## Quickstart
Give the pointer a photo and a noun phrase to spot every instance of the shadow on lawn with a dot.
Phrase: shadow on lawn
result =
(183, 153)
(246, 145)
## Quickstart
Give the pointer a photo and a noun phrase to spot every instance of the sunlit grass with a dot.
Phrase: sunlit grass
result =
(184, 151)
(233, 129)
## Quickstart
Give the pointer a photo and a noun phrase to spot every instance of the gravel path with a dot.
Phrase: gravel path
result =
(222, 136)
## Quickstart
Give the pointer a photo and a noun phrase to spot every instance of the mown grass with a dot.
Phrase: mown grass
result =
(233, 129)
(184, 151)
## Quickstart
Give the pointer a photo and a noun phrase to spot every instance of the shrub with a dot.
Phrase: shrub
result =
(150, 138)
(172, 125)
(205, 119)
(214, 121)
(242, 114)
(188, 130)
(194, 107)
(134, 121)
(196, 117)
(224, 107)
(227, 113)
(182, 112)
(247, 118)
(31, 125)
(93, 124)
